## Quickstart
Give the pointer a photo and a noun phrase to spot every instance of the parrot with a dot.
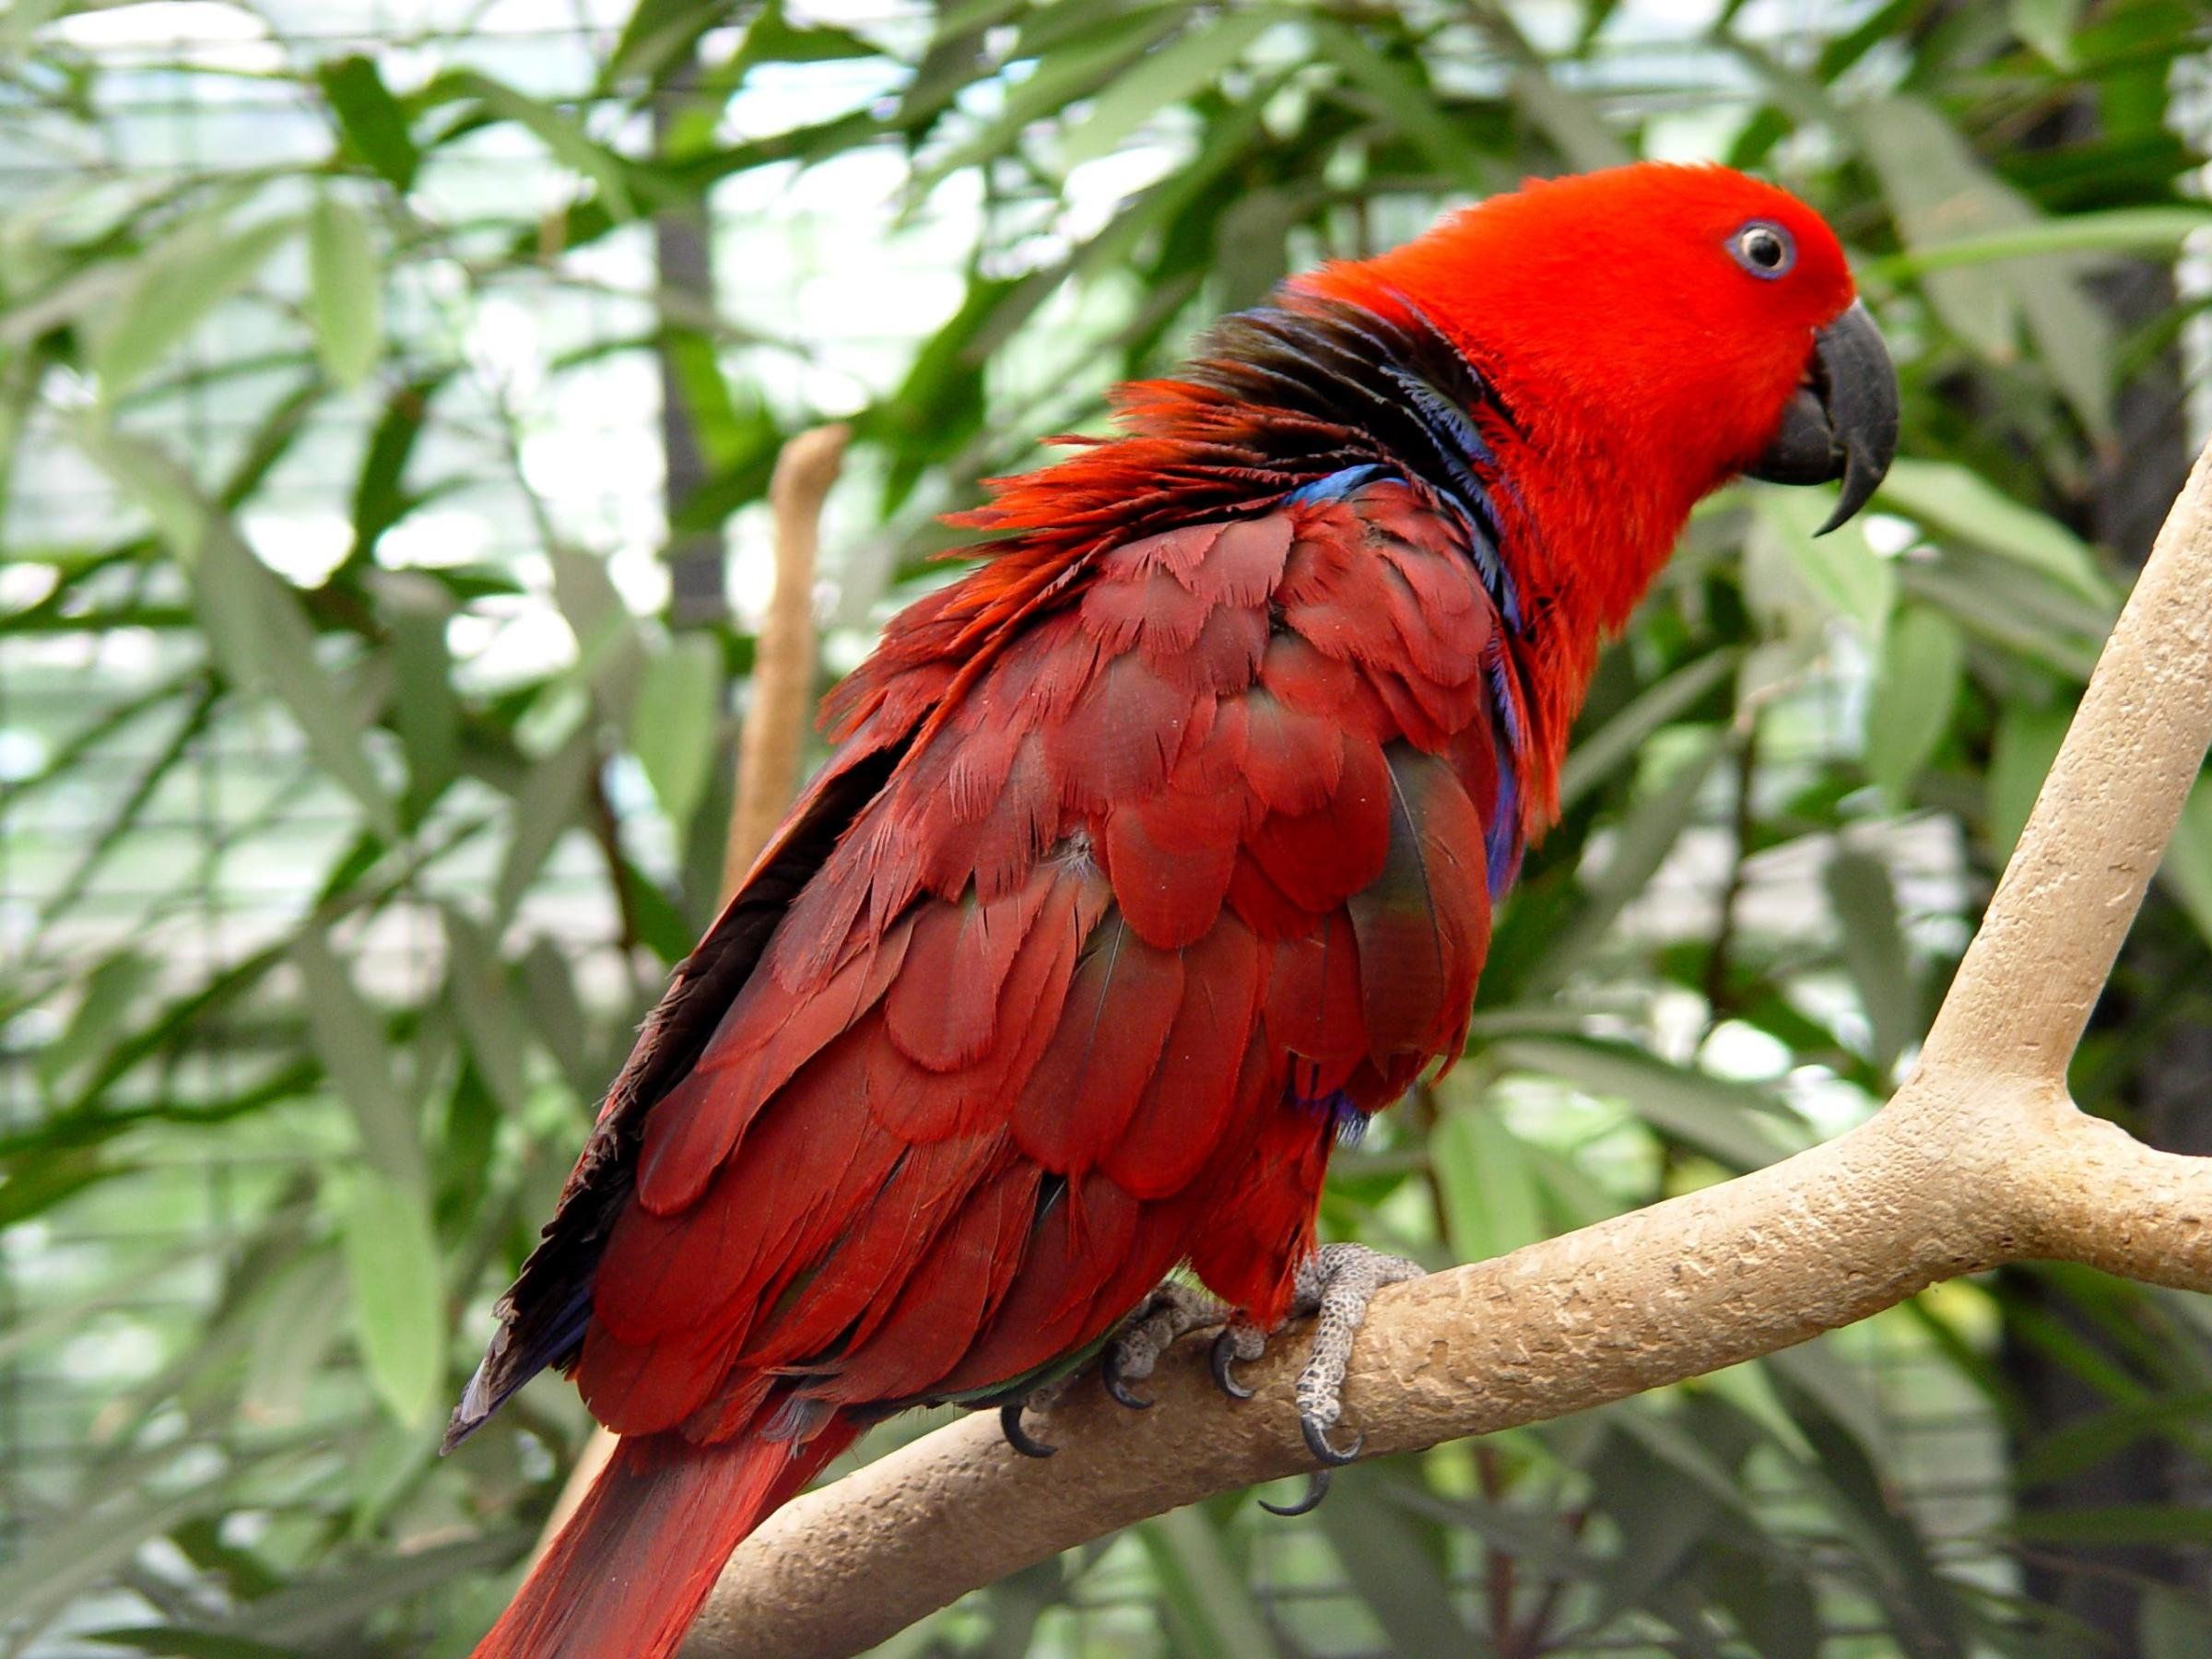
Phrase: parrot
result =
(1153, 856)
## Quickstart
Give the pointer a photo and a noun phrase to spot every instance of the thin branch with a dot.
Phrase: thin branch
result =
(1981, 1158)
(768, 761)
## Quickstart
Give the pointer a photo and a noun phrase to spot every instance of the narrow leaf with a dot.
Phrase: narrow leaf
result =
(345, 295)
(1922, 666)
(398, 1302)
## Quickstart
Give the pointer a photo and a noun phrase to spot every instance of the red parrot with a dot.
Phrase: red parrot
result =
(1155, 854)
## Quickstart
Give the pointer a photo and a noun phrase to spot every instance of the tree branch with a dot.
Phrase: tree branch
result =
(1981, 1158)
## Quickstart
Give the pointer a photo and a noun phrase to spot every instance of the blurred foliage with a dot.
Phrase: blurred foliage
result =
(1794, 784)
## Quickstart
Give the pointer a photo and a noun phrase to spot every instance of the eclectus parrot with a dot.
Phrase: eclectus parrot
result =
(1155, 854)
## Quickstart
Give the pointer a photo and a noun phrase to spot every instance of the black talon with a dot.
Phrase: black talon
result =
(1009, 1422)
(1110, 1375)
(1317, 1441)
(1317, 1488)
(1225, 1376)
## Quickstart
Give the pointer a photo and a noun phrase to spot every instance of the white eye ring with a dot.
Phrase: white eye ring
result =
(1764, 249)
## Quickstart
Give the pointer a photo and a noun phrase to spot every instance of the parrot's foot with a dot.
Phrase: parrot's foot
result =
(1173, 1311)
(1335, 1284)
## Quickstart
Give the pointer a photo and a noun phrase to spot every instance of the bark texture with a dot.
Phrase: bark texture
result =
(1980, 1159)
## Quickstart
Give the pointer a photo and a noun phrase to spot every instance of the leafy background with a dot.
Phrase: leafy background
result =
(387, 393)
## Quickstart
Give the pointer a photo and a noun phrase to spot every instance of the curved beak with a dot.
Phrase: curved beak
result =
(1843, 424)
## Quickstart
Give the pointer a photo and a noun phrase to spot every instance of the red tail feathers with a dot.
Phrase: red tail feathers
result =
(633, 1566)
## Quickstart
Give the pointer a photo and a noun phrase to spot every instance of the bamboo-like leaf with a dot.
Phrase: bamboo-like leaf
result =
(1397, 1578)
(676, 722)
(1959, 502)
(344, 291)
(1841, 570)
(2027, 742)
(198, 267)
(477, 983)
(1923, 667)
(350, 1039)
(254, 620)
(398, 1301)
(1727, 1120)
(1597, 754)
(544, 806)
(1489, 1190)
(369, 120)
(1218, 1619)
(1865, 904)
(1166, 76)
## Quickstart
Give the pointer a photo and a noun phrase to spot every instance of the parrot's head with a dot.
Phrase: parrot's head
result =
(1655, 330)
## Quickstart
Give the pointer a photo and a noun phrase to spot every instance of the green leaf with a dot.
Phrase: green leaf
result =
(1958, 503)
(676, 722)
(1490, 1201)
(2115, 1523)
(1942, 192)
(2048, 26)
(179, 282)
(344, 293)
(370, 122)
(477, 983)
(254, 620)
(398, 1301)
(1640, 844)
(1922, 666)
(416, 610)
(2116, 231)
(1597, 754)
(2186, 872)
(1841, 571)
(609, 652)
(112, 990)
(2027, 741)
(1216, 1614)
(1401, 98)
(547, 804)
(561, 134)
(1727, 1120)
(349, 1037)
(1865, 904)
(1386, 1561)
(1169, 76)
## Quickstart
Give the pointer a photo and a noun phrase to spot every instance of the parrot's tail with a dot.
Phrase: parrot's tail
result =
(634, 1565)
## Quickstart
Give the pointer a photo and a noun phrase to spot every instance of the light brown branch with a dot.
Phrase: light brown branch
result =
(1981, 1158)
(767, 755)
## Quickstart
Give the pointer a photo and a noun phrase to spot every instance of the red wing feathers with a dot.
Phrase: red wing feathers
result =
(1181, 870)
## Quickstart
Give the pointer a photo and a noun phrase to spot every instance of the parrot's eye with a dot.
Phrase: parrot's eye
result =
(1764, 250)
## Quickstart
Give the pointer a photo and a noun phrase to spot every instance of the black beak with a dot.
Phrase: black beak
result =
(1843, 425)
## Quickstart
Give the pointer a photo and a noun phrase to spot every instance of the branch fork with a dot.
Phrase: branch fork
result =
(1981, 1158)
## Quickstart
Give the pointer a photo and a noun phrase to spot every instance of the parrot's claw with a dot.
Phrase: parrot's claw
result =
(1172, 1311)
(1317, 1488)
(1317, 1442)
(1335, 1284)
(1239, 1344)
(1009, 1421)
(1109, 1378)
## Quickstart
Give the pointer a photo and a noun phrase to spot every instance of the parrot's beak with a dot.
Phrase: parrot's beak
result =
(1842, 423)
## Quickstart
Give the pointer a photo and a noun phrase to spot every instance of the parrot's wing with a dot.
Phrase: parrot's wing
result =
(1194, 868)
